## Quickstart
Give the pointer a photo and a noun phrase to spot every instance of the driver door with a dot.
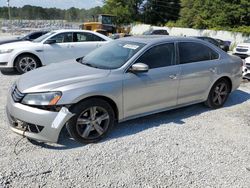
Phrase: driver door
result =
(156, 89)
(61, 50)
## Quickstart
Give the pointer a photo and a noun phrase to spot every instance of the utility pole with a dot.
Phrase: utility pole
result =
(8, 4)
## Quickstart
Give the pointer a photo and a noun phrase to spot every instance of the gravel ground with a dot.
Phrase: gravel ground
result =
(188, 147)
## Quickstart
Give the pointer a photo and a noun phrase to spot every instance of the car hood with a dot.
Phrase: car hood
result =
(8, 41)
(18, 44)
(58, 75)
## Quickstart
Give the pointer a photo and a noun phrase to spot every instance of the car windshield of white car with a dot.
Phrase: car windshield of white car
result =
(41, 38)
(112, 55)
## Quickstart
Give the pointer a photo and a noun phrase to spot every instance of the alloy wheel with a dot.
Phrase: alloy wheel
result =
(27, 64)
(220, 93)
(92, 122)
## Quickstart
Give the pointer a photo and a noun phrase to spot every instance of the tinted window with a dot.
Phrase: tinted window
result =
(193, 52)
(160, 32)
(63, 38)
(86, 37)
(212, 41)
(159, 56)
(35, 35)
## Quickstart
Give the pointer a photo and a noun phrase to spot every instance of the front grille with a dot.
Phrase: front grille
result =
(241, 50)
(16, 94)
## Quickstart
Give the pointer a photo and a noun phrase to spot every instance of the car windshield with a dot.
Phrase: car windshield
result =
(247, 41)
(112, 55)
(41, 38)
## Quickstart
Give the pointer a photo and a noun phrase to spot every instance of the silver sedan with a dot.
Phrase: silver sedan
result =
(125, 79)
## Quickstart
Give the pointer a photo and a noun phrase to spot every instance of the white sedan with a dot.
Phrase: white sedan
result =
(53, 47)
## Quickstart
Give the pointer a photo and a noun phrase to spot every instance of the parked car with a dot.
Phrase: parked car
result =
(28, 37)
(224, 45)
(209, 39)
(156, 32)
(125, 79)
(53, 47)
(243, 50)
(246, 68)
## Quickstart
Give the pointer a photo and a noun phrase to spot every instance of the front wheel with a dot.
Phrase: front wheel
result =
(26, 63)
(218, 94)
(93, 120)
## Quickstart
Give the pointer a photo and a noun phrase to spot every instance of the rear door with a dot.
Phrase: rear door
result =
(85, 42)
(198, 64)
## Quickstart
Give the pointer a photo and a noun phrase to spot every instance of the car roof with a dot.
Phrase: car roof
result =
(151, 39)
(72, 30)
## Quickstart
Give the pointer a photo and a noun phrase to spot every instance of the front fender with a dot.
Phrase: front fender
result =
(38, 54)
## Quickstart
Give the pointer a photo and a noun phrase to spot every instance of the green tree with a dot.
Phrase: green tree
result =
(217, 13)
(126, 11)
(159, 12)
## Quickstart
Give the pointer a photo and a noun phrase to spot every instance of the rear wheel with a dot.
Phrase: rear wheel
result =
(93, 120)
(26, 63)
(218, 94)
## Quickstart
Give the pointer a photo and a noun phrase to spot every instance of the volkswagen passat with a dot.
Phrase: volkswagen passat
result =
(125, 79)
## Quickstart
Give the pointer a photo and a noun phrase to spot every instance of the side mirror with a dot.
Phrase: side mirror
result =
(50, 41)
(79, 60)
(139, 68)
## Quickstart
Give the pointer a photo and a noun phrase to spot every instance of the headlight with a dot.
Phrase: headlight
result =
(5, 51)
(45, 99)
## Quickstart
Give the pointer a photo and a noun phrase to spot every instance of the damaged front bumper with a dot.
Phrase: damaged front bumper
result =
(34, 123)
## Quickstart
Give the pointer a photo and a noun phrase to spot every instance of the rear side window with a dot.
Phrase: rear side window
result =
(160, 32)
(191, 52)
(159, 56)
(86, 37)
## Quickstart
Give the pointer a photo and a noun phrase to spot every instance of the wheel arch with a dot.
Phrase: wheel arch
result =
(108, 100)
(27, 53)
(225, 78)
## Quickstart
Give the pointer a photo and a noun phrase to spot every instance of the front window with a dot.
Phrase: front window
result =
(159, 56)
(112, 55)
(63, 37)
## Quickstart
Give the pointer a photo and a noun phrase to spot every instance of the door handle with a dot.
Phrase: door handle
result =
(213, 70)
(173, 77)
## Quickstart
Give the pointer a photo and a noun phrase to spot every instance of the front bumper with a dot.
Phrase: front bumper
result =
(5, 61)
(35, 123)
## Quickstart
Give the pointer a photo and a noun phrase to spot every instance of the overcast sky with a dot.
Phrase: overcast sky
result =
(63, 4)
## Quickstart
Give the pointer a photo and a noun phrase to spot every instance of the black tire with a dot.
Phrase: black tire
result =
(218, 94)
(86, 129)
(26, 62)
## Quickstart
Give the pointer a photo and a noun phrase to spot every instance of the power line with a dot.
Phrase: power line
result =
(164, 6)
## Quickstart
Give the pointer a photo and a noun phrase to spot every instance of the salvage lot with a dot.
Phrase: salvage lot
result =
(188, 147)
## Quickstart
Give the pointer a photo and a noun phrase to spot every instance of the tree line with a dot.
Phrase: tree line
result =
(38, 13)
(200, 14)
